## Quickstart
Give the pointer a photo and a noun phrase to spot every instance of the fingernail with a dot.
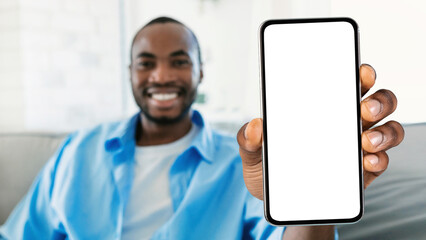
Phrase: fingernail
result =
(375, 138)
(373, 159)
(245, 132)
(374, 106)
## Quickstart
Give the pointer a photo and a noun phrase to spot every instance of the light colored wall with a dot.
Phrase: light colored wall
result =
(393, 37)
(392, 40)
(60, 64)
(63, 63)
(12, 103)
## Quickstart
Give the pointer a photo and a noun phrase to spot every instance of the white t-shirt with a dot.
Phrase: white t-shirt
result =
(150, 203)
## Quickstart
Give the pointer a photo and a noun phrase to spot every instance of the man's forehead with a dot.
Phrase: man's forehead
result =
(163, 37)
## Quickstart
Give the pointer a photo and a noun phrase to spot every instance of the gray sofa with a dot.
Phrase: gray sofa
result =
(22, 155)
(395, 204)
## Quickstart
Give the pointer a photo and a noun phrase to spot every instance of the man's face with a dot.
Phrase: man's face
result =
(165, 71)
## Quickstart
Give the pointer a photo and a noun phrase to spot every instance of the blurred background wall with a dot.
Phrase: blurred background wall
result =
(60, 66)
(63, 63)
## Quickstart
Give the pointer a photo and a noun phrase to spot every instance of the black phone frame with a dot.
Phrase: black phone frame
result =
(268, 216)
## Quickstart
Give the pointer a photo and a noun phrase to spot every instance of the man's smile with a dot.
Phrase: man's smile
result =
(164, 97)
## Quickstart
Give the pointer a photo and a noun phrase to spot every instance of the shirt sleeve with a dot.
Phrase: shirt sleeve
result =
(34, 217)
(255, 225)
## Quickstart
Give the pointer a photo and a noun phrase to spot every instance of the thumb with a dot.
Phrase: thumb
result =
(249, 138)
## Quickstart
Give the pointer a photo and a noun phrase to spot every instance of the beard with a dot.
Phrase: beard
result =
(166, 120)
(189, 97)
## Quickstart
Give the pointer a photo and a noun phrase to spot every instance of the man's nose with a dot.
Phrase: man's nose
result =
(162, 74)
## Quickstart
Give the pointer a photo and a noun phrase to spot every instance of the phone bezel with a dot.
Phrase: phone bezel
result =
(268, 216)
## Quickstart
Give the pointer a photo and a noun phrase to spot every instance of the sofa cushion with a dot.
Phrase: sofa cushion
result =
(22, 155)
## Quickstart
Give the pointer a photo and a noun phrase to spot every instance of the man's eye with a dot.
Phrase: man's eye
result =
(146, 64)
(180, 62)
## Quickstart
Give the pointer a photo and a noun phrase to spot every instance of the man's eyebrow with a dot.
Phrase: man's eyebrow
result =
(179, 53)
(145, 54)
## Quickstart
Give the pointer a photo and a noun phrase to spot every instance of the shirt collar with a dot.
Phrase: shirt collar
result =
(203, 142)
(124, 136)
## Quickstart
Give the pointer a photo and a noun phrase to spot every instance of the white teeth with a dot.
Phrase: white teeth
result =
(164, 96)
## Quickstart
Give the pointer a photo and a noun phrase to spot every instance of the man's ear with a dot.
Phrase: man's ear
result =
(130, 71)
(201, 75)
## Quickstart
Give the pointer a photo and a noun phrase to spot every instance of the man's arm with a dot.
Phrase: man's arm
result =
(375, 142)
(309, 232)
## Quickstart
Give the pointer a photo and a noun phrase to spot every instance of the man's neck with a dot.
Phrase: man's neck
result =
(151, 133)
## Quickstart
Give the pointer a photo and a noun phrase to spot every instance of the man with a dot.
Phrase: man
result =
(163, 174)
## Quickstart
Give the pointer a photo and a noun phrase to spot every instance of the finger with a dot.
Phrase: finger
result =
(376, 107)
(368, 77)
(250, 140)
(383, 137)
(374, 165)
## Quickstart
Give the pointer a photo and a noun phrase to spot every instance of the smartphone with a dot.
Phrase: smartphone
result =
(311, 121)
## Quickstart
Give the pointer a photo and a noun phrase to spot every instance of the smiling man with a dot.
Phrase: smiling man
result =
(165, 71)
(164, 174)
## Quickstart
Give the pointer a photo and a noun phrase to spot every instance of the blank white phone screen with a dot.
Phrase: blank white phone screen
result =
(313, 152)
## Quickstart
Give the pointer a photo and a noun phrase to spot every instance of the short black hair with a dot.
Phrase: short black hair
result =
(163, 20)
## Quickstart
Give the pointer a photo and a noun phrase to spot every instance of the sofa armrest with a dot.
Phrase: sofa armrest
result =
(22, 155)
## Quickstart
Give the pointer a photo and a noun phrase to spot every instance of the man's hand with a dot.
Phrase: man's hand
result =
(375, 141)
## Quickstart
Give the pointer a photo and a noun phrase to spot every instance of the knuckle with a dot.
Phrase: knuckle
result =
(388, 98)
(394, 133)
(397, 126)
(398, 129)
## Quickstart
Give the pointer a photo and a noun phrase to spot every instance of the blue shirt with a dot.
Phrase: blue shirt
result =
(82, 191)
